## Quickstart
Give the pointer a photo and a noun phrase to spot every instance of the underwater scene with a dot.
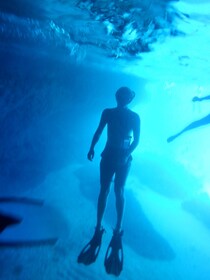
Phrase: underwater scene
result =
(104, 132)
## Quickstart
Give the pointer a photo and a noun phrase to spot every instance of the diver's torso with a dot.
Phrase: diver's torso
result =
(120, 125)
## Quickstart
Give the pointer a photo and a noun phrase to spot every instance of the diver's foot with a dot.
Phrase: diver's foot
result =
(114, 255)
(170, 139)
(6, 221)
(90, 252)
(97, 237)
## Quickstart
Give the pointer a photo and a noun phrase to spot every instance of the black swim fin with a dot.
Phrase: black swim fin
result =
(6, 220)
(114, 255)
(90, 252)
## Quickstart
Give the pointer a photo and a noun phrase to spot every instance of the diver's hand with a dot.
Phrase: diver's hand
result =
(90, 154)
(196, 98)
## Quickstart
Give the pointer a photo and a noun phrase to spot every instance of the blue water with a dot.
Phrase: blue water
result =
(51, 97)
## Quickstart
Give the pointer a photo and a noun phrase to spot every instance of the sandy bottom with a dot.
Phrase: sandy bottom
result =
(189, 239)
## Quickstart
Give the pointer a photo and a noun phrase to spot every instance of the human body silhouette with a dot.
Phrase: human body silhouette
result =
(123, 133)
(195, 124)
(116, 157)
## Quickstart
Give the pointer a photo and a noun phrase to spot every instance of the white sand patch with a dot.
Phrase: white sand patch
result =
(188, 237)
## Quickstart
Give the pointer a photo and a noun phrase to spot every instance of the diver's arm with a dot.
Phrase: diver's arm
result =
(97, 135)
(196, 98)
(136, 135)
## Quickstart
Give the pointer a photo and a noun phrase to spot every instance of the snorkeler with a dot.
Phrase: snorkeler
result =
(195, 124)
(123, 133)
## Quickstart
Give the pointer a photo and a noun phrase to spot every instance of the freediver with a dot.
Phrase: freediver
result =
(123, 133)
(195, 124)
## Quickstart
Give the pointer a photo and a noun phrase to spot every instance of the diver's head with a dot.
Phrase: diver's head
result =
(124, 96)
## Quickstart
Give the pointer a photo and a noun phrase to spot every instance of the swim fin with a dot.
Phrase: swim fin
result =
(114, 255)
(90, 252)
(6, 220)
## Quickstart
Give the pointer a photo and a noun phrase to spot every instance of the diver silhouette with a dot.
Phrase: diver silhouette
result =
(195, 124)
(123, 133)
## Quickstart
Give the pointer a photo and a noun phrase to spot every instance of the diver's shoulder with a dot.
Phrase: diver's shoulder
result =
(134, 114)
(107, 113)
(108, 110)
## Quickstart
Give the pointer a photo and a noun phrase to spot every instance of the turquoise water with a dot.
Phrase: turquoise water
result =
(51, 97)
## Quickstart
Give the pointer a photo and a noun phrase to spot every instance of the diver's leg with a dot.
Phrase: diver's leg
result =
(106, 174)
(120, 180)
(193, 125)
(120, 204)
